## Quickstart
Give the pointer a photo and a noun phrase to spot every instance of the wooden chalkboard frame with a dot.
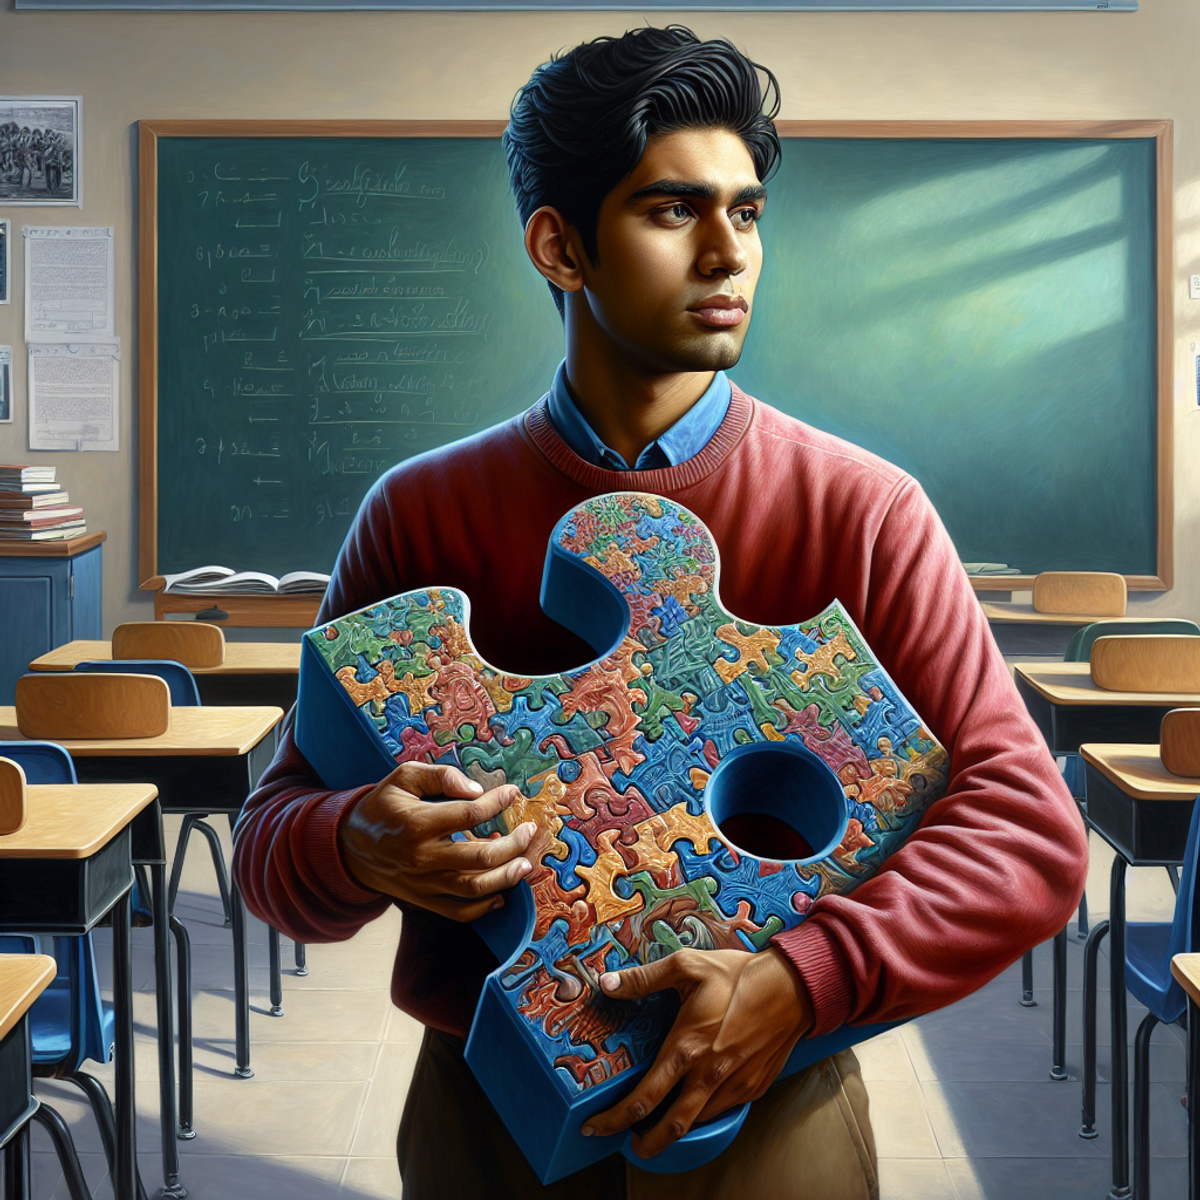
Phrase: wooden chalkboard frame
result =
(150, 131)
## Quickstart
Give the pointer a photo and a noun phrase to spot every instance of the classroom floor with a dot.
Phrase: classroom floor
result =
(961, 1101)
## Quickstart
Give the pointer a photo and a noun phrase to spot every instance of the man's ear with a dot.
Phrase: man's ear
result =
(553, 246)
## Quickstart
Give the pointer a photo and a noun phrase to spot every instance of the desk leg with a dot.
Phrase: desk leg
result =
(275, 971)
(125, 1183)
(1058, 1069)
(1193, 1095)
(166, 1032)
(241, 985)
(1120, 1034)
(183, 953)
(17, 1173)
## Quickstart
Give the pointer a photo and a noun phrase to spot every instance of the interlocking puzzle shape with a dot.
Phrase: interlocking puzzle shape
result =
(642, 770)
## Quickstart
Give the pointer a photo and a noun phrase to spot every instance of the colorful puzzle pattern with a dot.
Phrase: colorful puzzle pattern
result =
(613, 758)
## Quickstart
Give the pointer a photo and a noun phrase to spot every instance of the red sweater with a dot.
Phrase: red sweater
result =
(800, 518)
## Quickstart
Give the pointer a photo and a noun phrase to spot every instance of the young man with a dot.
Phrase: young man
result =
(638, 165)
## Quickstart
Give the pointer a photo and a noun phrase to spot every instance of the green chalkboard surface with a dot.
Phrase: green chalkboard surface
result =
(982, 310)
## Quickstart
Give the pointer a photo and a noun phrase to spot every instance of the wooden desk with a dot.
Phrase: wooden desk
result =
(1021, 629)
(71, 863)
(208, 761)
(1070, 709)
(23, 977)
(1143, 812)
(252, 673)
(1186, 969)
(1136, 804)
(249, 611)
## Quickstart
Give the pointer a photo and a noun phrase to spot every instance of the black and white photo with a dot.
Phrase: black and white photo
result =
(40, 150)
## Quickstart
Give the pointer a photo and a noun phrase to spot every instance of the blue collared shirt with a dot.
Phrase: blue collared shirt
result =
(685, 439)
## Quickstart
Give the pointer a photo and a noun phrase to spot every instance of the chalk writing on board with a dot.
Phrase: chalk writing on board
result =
(333, 318)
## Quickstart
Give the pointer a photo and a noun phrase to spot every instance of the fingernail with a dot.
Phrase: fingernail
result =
(527, 829)
(497, 903)
(610, 981)
(587, 1131)
(524, 866)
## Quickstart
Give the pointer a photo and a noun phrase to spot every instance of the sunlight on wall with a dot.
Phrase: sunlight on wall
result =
(1187, 226)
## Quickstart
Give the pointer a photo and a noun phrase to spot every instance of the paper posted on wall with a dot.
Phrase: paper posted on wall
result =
(74, 389)
(69, 280)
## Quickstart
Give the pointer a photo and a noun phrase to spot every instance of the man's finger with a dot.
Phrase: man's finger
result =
(482, 854)
(676, 1121)
(744, 1085)
(672, 1064)
(433, 779)
(470, 885)
(454, 816)
(633, 983)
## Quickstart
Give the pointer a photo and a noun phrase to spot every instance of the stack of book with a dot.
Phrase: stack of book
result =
(33, 508)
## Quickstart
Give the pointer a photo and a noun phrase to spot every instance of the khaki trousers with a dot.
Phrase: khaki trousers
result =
(808, 1138)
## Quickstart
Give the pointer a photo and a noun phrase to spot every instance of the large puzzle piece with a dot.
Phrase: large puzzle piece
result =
(702, 783)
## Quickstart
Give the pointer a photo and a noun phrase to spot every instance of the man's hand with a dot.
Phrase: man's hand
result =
(397, 842)
(741, 1015)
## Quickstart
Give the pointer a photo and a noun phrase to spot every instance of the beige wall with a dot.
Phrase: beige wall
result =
(129, 66)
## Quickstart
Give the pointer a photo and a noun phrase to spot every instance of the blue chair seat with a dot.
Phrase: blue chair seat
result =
(69, 1023)
(1148, 969)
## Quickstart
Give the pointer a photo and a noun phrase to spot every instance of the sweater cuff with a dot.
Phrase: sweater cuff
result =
(320, 835)
(823, 970)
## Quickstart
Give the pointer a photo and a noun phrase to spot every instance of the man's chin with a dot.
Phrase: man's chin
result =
(713, 354)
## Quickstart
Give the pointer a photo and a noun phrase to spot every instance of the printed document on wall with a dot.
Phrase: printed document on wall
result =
(69, 276)
(74, 391)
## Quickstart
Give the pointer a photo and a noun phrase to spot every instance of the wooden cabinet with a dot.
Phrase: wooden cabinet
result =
(50, 593)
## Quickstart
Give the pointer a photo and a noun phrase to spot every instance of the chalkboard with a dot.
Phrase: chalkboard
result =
(984, 305)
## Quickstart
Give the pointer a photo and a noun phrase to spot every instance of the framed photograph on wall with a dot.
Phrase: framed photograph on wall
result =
(40, 150)
(5, 258)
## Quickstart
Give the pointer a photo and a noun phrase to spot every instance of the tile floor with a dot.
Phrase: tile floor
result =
(961, 1102)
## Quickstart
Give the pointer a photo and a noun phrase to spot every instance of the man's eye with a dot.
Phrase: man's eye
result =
(746, 217)
(677, 212)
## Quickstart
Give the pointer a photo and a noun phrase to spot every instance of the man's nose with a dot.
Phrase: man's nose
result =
(723, 252)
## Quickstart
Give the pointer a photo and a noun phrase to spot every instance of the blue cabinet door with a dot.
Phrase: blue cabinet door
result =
(45, 602)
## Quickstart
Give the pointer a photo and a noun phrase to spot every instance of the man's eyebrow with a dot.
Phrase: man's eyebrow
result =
(695, 191)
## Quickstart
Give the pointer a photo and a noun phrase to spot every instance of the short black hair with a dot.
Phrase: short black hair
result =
(581, 123)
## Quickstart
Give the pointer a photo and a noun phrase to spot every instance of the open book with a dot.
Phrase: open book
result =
(987, 568)
(202, 581)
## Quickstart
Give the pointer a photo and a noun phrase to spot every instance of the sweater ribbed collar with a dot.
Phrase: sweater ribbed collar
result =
(663, 479)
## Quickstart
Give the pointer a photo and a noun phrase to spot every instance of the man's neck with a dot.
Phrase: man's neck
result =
(629, 408)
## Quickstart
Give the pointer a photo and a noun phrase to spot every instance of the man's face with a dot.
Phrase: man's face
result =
(679, 254)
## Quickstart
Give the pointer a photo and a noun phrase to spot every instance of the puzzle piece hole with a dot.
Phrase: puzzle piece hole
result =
(777, 800)
(578, 596)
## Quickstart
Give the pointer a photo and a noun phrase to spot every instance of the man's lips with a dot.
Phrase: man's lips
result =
(722, 312)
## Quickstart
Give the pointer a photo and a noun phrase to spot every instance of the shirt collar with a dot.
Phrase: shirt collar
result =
(685, 439)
